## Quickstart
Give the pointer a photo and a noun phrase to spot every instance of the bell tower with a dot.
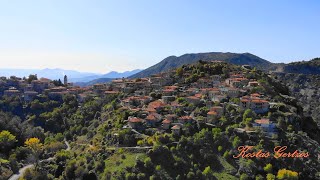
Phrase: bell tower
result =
(65, 80)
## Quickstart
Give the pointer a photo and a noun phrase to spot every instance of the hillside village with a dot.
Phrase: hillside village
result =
(192, 118)
(158, 101)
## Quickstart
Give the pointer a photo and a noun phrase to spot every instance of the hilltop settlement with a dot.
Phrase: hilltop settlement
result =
(185, 123)
(176, 103)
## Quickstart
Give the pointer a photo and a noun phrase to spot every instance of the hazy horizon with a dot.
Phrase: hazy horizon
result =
(97, 73)
(122, 71)
(125, 35)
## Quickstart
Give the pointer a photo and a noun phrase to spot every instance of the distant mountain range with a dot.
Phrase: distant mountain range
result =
(172, 62)
(110, 75)
(47, 73)
(74, 76)
(92, 82)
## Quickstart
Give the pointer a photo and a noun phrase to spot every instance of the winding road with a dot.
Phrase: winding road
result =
(24, 168)
(21, 171)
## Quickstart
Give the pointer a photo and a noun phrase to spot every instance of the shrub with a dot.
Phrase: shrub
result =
(268, 168)
(287, 174)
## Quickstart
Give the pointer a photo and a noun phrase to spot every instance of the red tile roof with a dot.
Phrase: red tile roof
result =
(135, 120)
(166, 121)
(150, 110)
(111, 92)
(156, 104)
(135, 109)
(259, 101)
(262, 121)
(44, 79)
(171, 87)
(212, 113)
(151, 117)
(176, 127)
(192, 97)
(168, 90)
(255, 95)
(191, 89)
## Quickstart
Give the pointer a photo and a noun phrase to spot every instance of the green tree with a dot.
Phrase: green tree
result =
(287, 174)
(32, 77)
(179, 72)
(226, 154)
(216, 133)
(236, 141)
(190, 175)
(207, 173)
(281, 123)
(36, 147)
(268, 168)
(141, 176)
(244, 177)
(32, 174)
(271, 176)
(290, 128)
(248, 114)
(57, 82)
(7, 141)
(259, 177)
(235, 100)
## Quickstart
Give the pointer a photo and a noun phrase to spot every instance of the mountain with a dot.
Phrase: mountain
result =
(234, 58)
(114, 74)
(110, 75)
(73, 76)
(303, 67)
(48, 73)
(303, 80)
(92, 82)
(306, 89)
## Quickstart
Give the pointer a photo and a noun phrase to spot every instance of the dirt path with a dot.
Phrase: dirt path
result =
(24, 168)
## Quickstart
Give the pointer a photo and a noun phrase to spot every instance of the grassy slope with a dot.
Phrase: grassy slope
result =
(116, 162)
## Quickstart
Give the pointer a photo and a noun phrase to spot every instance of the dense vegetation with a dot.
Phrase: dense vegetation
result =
(100, 147)
(303, 67)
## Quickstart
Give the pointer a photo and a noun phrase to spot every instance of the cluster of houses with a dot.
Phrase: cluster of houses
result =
(255, 102)
(156, 100)
(28, 91)
(160, 112)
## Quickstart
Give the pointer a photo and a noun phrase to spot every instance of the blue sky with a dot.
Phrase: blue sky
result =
(100, 36)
